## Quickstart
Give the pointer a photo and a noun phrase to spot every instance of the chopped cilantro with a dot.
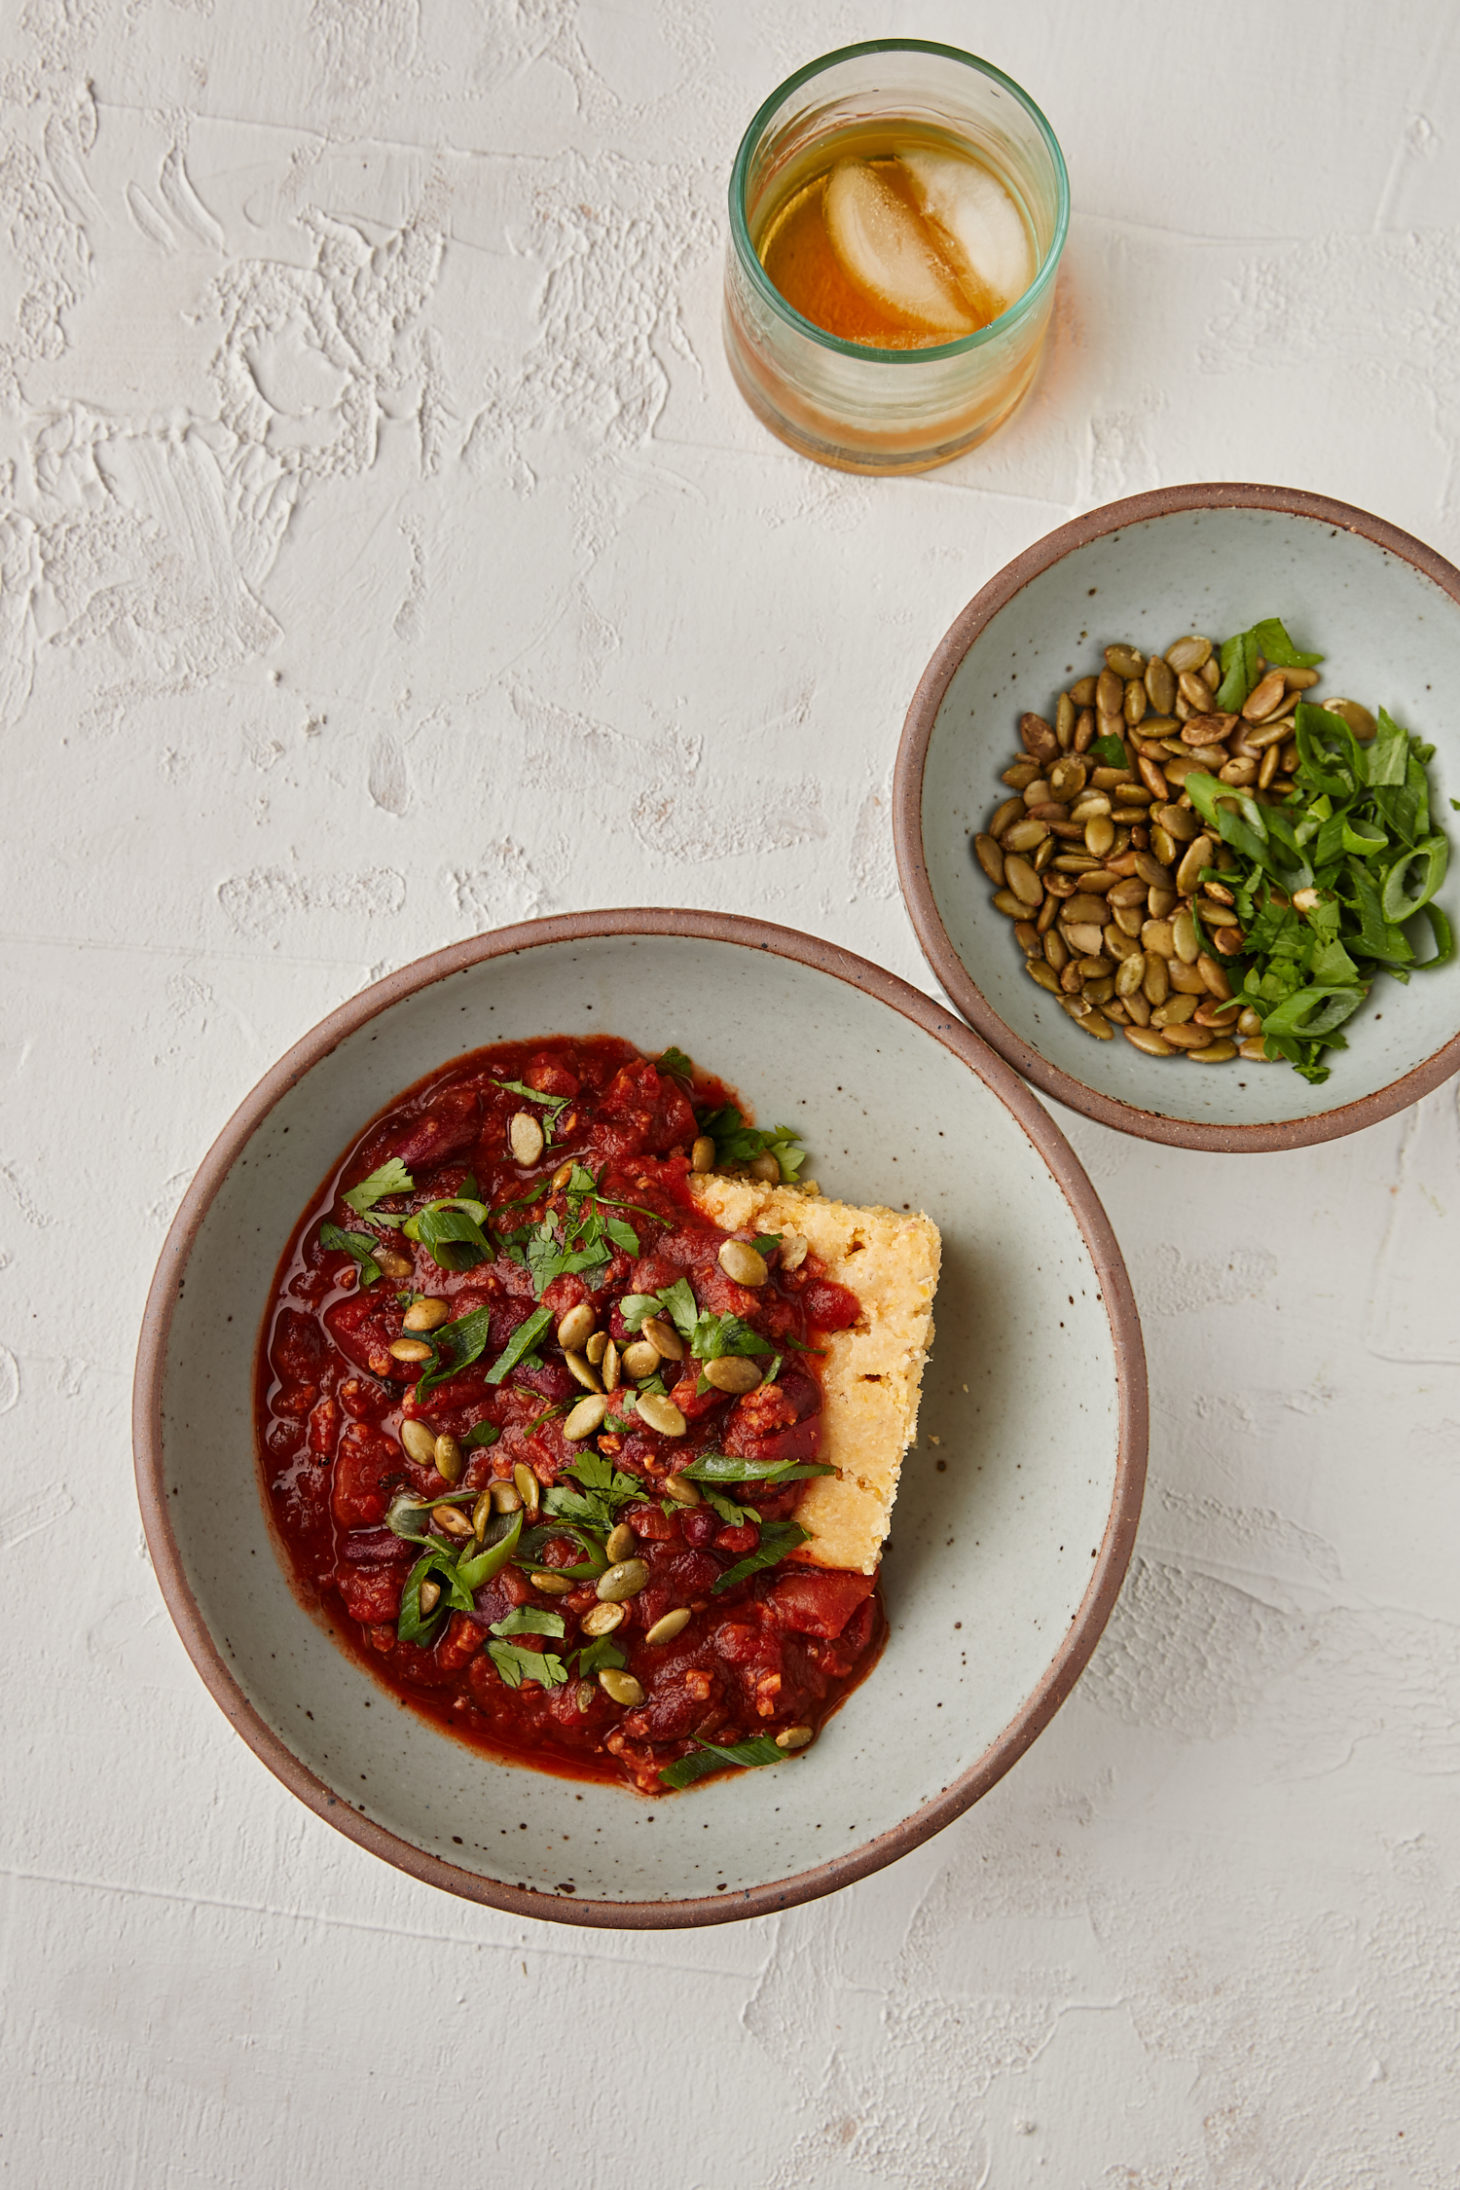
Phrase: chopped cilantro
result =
(481, 1433)
(552, 1104)
(391, 1178)
(517, 1665)
(454, 1347)
(358, 1244)
(529, 1619)
(604, 1490)
(715, 1336)
(452, 1232)
(1109, 751)
(676, 1064)
(737, 1142)
(723, 1467)
(600, 1655)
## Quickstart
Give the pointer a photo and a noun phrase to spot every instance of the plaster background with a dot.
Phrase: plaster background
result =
(384, 555)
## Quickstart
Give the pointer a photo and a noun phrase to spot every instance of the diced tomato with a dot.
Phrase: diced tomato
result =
(819, 1600)
(460, 1644)
(371, 1594)
(367, 1470)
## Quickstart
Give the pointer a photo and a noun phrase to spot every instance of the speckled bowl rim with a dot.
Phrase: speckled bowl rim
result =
(1116, 1544)
(912, 866)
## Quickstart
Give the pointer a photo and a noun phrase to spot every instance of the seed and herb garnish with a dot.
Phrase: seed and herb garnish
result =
(540, 1427)
(1203, 856)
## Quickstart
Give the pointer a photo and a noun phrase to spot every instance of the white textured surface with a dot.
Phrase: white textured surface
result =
(384, 555)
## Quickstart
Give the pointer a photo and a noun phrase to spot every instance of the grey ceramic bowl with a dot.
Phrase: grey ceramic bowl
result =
(1017, 1511)
(1385, 612)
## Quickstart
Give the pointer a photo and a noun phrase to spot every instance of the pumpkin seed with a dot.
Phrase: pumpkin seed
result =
(663, 1337)
(681, 1490)
(393, 1265)
(1175, 1012)
(795, 1737)
(661, 1414)
(426, 1315)
(1012, 907)
(702, 1153)
(1064, 721)
(1109, 692)
(1086, 939)
(551, 1585)
(454, 1523)
(1026, 935)
(1096, 1023)
(619, 1543)
(1214, 977)
(1082, 691)
(563, 1174)
(1148, 1041)
(581, 1369)
(732, 1373)
(602, 1619)
(610, 1369)
(595, 1349)
(1198, 854)
(1189, 653)
(991, 859)
(505, 1498)
(450, 1465)
(639, 1359)
(1216, 1054)
(418, 1442)
(1126, 661)
(1044, 975)
(410, 1349)
(1265, 699)
(766, 1167)
(1022, 879)
(620, 1687)
(1160, 684)
(794, 1250)
(1255, 1050)
(1183, 931)
(428, 1596)
(1130, 974)
(1037, 738)
(1358, 718)
(623, 1580)
(744, 1263)
(1156, 983)
(1249, 1023)
(1004, 817)
(481, 1513)
(586, 1418)
(1196, 694)
(529, 1490)
(525, 1139)
(576, 1328)
(673, 1623)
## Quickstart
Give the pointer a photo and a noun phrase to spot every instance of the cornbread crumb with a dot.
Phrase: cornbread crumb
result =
(872, 1374)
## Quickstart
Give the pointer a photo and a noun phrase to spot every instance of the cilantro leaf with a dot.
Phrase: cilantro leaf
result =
(737, 1142)
(529, 1619)
(452, 1232)
(1278, 649)
(710, 1757)
(552, 1104)
(604, 1490)
(776, 1539)
(454, 1347)
(1110, 751)
(358, 1244)
(480, 1433)
(517, 1665)
(522, 1341)
(732, 1515)
(677, 1301)
(391, 1177)
(676, 1064)
(601, 1654)
(714, 1336)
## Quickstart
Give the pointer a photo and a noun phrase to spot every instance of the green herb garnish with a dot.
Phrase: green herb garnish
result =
(710, 1757)
(481, 1433)
(737, 1142)
(1109, 751)
(600, 1655)
(454, 1347)
(529, 1619)
(1328, 881)
(724, 1467)
(391, 1178)
(517, 1665)
(776, 1539)
(604, 1490)
(521, 1343)
(552, 1104)
(676, 1063)
(452, 1232)
(358, 1244)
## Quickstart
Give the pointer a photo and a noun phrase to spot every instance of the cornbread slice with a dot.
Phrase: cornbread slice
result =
(872, 1373)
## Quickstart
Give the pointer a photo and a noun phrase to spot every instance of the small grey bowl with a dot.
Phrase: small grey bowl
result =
(1017, 1510)
(1385, 612)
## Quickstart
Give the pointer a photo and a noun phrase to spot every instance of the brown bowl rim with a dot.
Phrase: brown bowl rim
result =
(1076, 1646)
(907, 828)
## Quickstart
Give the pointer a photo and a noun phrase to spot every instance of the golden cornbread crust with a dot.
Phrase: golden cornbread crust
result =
(872, 1374)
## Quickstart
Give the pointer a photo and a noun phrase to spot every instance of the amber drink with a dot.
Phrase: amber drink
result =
(897, 215)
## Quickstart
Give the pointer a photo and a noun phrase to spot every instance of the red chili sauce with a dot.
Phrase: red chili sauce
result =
(772, 1653)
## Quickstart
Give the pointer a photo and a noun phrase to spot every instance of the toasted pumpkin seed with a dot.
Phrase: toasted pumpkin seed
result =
(1043, 974)
(596, 1348)
(639, 1359)
(576, 1328)
(624, 1579)
(450, 1465)
(586, 1418)
(663, 1337)
(1183, 931)
(529, 1490)
(610, 1368)
(581, 1369)
(1198, 854)
(1160, 684)
(454, 1523)
(428, 1596)
(1214, 977)
(1126, 661)
(620, 1687)
(1358, 718)
(681, 1490)
(393, 1265)
(794, 1250)
(702, 1153)
(1148, 1041)
(426, 1315)
(418, 1442)
(661, 1414)
(744, 1263)
(1012, 907)
(1022, 879)
(410, 1349)
(602, 1619)
(795, 1737)
(1082, 691)
(1109, 692)
(991, 859)
(619, 1543)
(551, 1585)
(732, 1373)
(1216, 1053)
(505, 1498)
(673, 1623)
(525, 1139)
(1189, 653)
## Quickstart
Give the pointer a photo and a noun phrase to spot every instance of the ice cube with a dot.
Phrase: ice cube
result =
(884, 248)
(980, 220)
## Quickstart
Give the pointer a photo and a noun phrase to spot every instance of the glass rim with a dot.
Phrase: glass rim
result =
(770, 294)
